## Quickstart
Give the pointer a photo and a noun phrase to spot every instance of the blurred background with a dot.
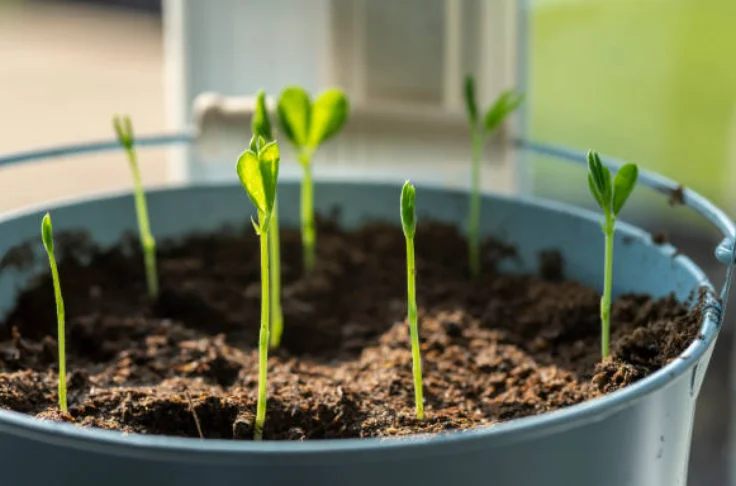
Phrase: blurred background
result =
(649, 81)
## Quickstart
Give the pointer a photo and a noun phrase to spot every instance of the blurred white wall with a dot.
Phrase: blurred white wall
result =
(65, 69)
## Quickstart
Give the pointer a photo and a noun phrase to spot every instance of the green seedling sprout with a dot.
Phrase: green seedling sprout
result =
(124, 131)
(307, 125)
(47, 235)
(611, 197)
(258, 170)
(480, 130)
(262, 127)
(409, 225)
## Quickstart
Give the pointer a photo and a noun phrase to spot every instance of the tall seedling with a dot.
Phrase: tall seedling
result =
(480, 130)
(409, 225)
(307, 125)
(47, 235)
(124, 131)
(610, 198)
(258, 171)
(261, 126)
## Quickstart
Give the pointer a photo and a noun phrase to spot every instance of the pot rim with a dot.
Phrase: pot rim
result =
(150, 446)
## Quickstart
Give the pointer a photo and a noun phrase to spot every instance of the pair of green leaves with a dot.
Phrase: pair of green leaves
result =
(308, 124)
(258, 170)
(408, 212)
(507, 102)
(611, 197)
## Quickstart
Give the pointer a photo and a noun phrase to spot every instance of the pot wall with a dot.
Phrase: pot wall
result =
(638, 436)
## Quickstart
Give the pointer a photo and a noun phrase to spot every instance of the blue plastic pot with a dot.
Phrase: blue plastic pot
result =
(637, 436)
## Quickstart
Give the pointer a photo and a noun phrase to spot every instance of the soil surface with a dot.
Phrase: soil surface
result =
(493, 349)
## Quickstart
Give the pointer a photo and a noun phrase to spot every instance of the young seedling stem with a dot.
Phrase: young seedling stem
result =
(307, 125)
(258, 169)
(262, 127)
(124, 131)
(480, 130)
(47, 235)
(610, 197)
(409, 225)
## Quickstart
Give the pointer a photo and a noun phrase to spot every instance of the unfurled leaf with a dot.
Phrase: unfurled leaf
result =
(507, 102)
(408, 213)
(623, 185)
(261, 124)
(47, 233)
(471, 104)
(258, 172)
(295, 114)
(329, 114)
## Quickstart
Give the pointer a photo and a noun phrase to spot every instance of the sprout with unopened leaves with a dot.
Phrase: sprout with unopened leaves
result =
(307, 125)
(480, 130)
(47, 235)
(124, 131)
(610, 197)
(409, 225)
(262, 127)
(258, 170)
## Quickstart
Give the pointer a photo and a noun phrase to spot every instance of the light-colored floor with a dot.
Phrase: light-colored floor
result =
(65, 70)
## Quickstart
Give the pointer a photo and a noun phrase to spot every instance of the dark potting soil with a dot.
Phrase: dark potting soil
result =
(493, 349)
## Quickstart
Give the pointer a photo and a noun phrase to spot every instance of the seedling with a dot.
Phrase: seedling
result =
(47, 235)
(262, 128)
(409, 224)
(480, 130)
(611, 198)
(258, 170)
(124, 131)
(307, 125)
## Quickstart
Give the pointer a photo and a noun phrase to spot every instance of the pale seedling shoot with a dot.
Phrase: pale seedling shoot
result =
(47, 235)
(124, 131)
(409, 225)
(307, 125)
(611, 197)
(258, 170)
(261, 126)
(480, 130)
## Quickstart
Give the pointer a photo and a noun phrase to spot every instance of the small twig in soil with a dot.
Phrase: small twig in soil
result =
(194, 414)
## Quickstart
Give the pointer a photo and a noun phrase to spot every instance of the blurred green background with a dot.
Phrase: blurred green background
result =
(649, 81)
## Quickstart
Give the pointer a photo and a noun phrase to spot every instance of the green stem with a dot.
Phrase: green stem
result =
(414, 328)
(277, 315)
(60, 332)
(263, 336)
(309, 233)
(607, 287)
(474, 222)
(148, 243)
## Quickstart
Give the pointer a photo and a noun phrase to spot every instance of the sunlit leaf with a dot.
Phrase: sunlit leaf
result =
(623, 185)
(295, 113)
(329, 114)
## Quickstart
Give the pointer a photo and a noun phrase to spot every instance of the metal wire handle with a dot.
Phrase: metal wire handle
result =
(725, 252)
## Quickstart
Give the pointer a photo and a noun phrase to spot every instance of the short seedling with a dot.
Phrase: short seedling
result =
(47, 235)
(262, 127)
(506, 103)
(409, 224)
(258, 170)
(124, 131)
(611, 198)
(307, 125)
